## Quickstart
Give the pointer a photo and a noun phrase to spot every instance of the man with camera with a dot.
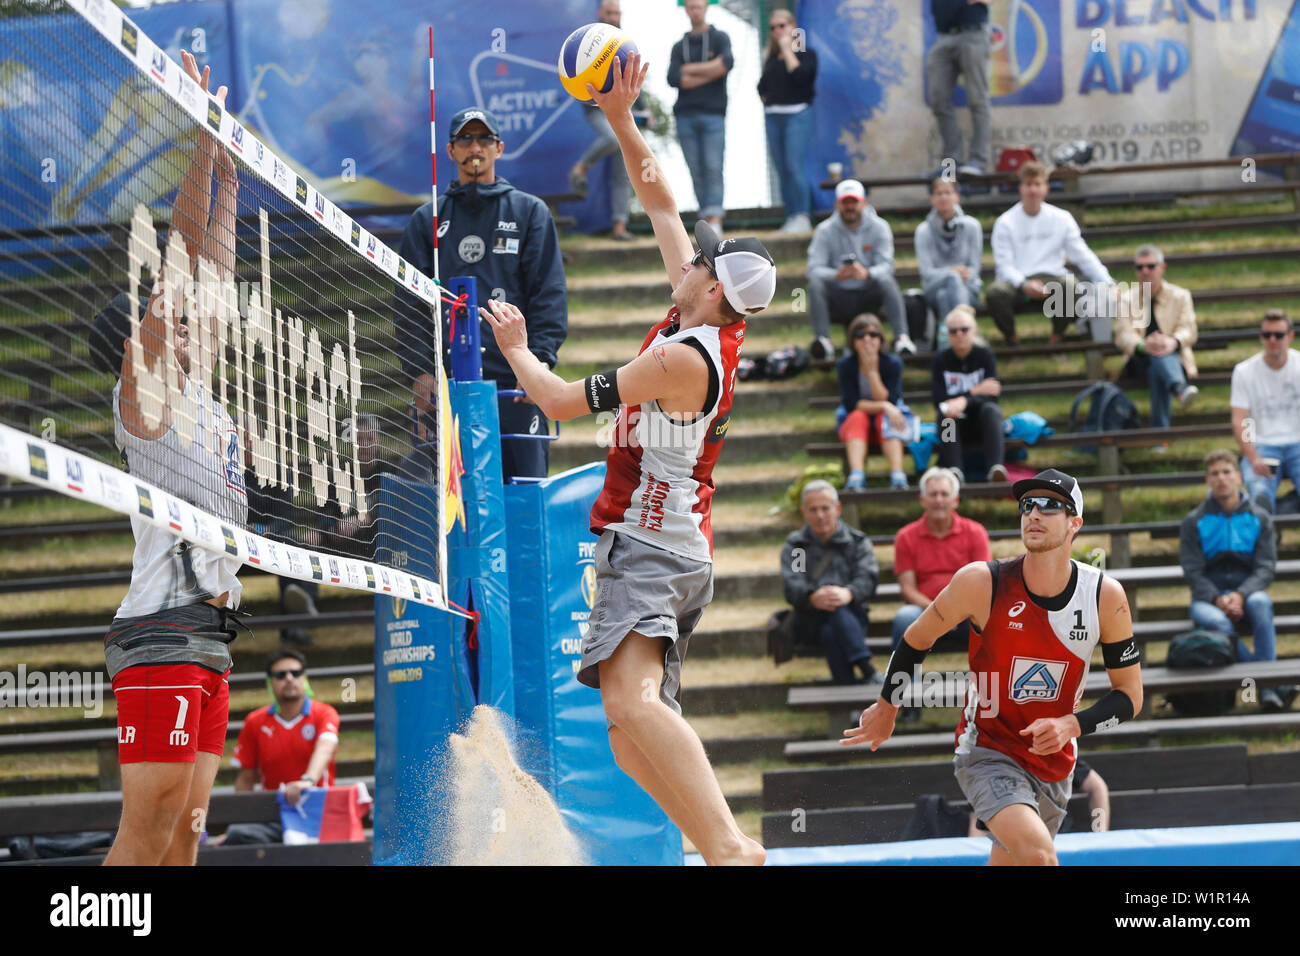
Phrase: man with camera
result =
(851, 271)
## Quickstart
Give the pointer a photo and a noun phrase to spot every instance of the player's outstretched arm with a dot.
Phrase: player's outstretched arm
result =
(643, 170)
(666, 374)
(967, 595)
(1123, 666)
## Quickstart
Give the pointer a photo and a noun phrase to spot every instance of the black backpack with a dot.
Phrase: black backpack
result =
(1111, 410)
(1201, 648)
(786, 363)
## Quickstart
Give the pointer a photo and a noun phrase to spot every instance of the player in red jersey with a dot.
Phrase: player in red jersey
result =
(1035, 621)
(654, 561)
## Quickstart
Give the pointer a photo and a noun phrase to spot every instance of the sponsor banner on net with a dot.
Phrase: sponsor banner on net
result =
(50, 465)
(152, 61)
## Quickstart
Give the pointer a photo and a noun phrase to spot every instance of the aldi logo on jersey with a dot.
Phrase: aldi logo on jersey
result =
(1035, 681)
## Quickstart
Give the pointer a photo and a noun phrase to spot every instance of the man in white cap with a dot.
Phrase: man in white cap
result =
(851, 271)
(1035, 621)
(654, 561)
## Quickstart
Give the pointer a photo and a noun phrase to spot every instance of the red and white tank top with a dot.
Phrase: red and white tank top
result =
(659, 473)
(1030, 662)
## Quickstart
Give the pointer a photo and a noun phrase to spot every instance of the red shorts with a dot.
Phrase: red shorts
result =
(858, 424)
(167, 713)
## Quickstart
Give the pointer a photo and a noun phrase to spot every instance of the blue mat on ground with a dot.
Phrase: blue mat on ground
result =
(1258, 844)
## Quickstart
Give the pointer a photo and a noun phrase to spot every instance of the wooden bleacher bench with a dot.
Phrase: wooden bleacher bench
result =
(71, 813)
(904, 744)
(72, 635)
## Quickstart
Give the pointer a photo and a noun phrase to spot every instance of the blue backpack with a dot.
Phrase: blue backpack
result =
(1111, 410)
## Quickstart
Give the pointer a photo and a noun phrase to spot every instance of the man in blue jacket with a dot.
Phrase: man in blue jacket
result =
(1228, 553)
(506, 239)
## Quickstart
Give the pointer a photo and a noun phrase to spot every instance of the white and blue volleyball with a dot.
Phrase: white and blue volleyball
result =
(588, 56)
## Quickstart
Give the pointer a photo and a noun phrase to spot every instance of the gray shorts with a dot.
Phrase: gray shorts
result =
(992, 781)
(648, 590)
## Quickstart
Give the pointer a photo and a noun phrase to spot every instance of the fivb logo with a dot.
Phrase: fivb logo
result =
(77, 909)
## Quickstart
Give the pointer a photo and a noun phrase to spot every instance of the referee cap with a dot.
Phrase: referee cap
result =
(471, 113)
(743, 266)
(1051, 480)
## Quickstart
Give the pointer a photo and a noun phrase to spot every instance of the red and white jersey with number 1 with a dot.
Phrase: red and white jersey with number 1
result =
(1028, 663)
(659, 473)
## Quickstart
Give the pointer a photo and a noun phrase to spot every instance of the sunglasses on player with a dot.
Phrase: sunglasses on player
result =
(288, 672)
(699, 260)
(1048, 506)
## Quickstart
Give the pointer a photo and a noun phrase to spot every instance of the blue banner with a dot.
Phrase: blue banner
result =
(552, 589)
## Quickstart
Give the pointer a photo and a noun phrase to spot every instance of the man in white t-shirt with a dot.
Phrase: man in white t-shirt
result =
(1031, 243)
(1266, 411)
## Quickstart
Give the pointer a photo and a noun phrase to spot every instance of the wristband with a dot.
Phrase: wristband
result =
(305, 778)
(903, 663)
(602, 391)
(1113, 709)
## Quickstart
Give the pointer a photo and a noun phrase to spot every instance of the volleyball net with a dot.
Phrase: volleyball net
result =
(193, 335)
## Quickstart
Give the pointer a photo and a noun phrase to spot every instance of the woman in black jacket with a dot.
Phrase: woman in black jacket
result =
(787, 91)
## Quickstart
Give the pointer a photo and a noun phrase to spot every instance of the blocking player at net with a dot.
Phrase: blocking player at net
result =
(1035, 621)
(167, 650)
(654, 561)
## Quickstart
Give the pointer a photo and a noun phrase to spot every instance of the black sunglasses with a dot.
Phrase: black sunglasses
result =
(959, 329)
(1145, 266)
(1274, 335)
(483, 139)
(1048, 506)
(863, 333)
(699, 260)
(281, 675)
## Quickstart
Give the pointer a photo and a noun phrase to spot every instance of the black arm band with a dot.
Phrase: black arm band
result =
(904, 665)
(1108, 712)
(1121, 654)
(602, 391)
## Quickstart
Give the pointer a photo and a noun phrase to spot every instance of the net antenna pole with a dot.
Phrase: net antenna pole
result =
(443, 393)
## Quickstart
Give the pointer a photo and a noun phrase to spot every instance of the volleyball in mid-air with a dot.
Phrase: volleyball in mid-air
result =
(588, 55)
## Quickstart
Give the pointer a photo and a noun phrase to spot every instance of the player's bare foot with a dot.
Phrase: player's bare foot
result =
(745, 853)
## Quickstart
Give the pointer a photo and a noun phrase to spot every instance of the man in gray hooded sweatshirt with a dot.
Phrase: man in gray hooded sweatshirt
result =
(851, 270)
(948, 247)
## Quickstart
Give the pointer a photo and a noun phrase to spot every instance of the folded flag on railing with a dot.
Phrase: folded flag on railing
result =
(325, 815)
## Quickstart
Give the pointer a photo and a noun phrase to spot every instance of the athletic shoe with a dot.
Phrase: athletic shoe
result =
(1187, 397)
(904, 345)
(998, 473)
(298, 601)
(822, 348)
(857, 480)
(1270, 701)
(622, 237)
(970, 169)
(898, 483)
(578, 182)
(799, 222)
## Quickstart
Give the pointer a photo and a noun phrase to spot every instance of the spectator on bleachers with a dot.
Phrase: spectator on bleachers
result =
(698, 66)
(1156, 332)
(1265, 404)
(871, 393)
(289, 744)
(931, 549)
(605, 145)
(851, 270)
(786, 88)
(829, 573)
(948, 248)
(961, 48)
(1228, 553)
(1031, 243)
(965, 387)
